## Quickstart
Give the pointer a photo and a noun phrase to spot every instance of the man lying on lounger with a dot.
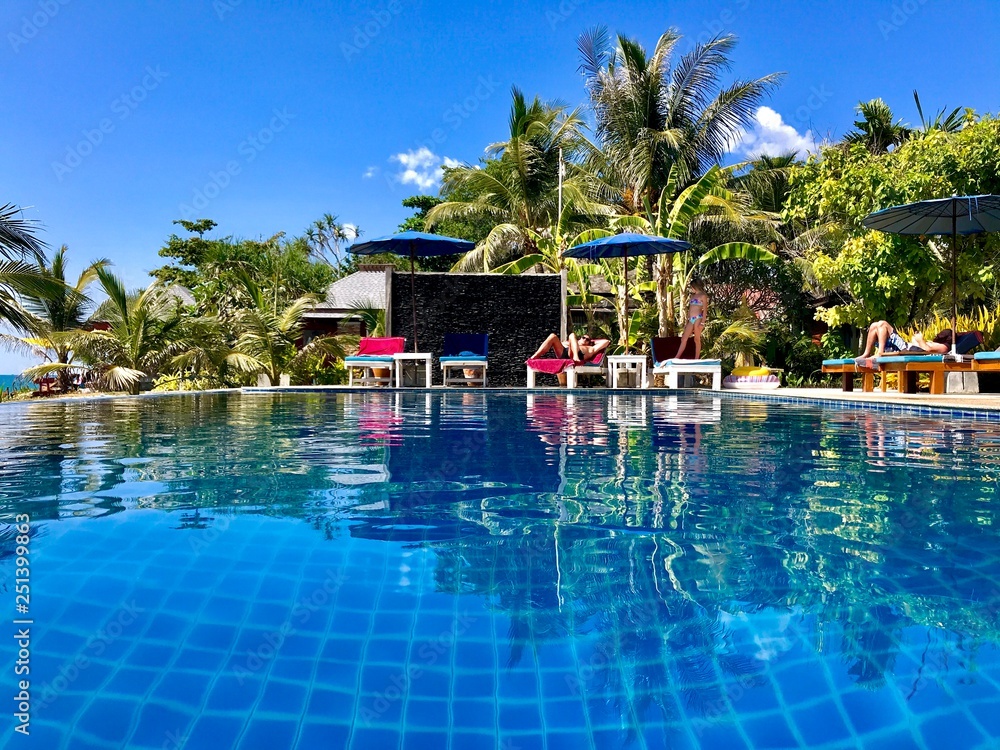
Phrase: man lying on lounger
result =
(890, 342)
(582, 349)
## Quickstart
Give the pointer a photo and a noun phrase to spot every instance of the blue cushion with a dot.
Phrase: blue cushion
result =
(930, 358)
(838, 362)
(463, 358)
(368, 360)
(988, 357)
(685, 362)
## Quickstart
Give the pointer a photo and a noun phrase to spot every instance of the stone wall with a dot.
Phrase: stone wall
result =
(517, 312)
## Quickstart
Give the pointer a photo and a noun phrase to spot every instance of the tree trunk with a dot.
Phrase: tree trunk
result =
(665, 296)
(622, 321)
(63, 374)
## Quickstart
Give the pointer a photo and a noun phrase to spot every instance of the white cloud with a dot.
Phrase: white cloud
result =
(422, 167)
(370, 172)
(772, 136)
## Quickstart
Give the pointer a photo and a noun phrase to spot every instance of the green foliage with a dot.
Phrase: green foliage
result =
(880, 276)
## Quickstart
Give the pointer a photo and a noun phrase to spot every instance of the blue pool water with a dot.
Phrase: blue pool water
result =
(511, 571)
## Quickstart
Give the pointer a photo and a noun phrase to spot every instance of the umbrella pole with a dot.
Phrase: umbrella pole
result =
(627, 326)
(413, 300)
(954, 278)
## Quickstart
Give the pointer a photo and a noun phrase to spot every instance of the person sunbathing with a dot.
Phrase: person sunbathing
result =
(581, 350)
(888, 341)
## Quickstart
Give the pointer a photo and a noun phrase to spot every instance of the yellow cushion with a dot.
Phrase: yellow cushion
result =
(751, 371)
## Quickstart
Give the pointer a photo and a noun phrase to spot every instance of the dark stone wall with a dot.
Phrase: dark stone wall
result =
(517, 312)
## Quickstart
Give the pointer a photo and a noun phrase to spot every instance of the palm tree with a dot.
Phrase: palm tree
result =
(653, 117)
(518, 188)
(877, 130)
(55, 318)
(17, 276)
(135, 334)
(325, 235)
(271, 333)
(951, 122)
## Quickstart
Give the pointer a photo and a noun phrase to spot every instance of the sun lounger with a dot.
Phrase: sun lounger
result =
(986, 362)
(674, 369)
(848, 369)
(464, 351)
(554, 366)
(374, 354)
(908, 365)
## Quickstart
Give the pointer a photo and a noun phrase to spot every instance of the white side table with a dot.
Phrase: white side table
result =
(619, 363)
(401, 361)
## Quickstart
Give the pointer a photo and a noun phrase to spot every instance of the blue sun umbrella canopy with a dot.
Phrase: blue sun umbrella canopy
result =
(625, 246)
(413, 245)
(957, 215)
(419, 244)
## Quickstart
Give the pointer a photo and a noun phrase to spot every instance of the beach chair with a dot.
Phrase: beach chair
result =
(986, 362)
(554, 366)
(664, 363)
(909, 365)
(849, 369)
(464, 352)
(374, 359)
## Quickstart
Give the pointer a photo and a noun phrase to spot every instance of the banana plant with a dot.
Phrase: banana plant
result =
(707, 198)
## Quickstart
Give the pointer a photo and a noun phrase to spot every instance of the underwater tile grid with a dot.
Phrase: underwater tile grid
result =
(502, 570)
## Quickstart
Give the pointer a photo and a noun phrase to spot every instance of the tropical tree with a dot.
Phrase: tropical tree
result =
(705, 200)
(877, 130)
(270, 332)
(133, 335)
(657, 121)
(55, 318)
(517, 188)
(18, 276)
(325, 235)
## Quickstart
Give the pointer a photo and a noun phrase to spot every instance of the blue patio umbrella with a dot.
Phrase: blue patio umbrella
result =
(624, 246)
(967, 214)
(415, 245)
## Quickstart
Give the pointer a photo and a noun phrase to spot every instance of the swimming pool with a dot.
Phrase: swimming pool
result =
(505, 570)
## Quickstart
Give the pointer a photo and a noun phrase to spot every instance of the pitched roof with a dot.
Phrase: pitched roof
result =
(364, 288)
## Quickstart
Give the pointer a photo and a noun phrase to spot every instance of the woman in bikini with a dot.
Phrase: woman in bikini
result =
(697, 310)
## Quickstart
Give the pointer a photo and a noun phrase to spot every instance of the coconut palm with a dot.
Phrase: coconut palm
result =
(270, 332)
(134, 334)
(325, 235)
(55, 318)
(654, 117)
(877, 130)
(518, 188)
(18, 276)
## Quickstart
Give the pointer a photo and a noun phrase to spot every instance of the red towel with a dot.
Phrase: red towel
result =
(549, 365)
(381, 347)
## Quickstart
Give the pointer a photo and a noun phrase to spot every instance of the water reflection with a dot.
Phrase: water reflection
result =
(683, 543)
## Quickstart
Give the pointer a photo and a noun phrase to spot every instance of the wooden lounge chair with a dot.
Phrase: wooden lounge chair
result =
(374, 354)
(986, 362)
(464, 351)
(664, 364)
(908, 365)
(849, 369)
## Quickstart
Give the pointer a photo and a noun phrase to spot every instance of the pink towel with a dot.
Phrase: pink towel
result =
(381, 347)
(549, 365)
(553, 366)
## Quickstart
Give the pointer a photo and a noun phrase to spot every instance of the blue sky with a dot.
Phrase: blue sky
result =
(263, 115)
